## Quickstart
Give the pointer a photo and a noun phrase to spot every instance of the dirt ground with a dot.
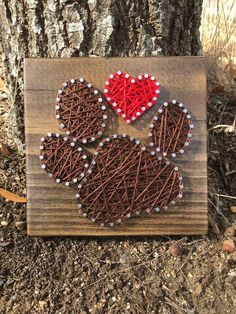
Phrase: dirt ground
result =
(123, 275)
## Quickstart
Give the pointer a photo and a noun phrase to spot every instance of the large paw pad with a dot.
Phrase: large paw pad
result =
(127, 179)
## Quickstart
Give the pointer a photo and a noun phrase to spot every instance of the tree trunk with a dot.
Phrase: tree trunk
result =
(62, 28)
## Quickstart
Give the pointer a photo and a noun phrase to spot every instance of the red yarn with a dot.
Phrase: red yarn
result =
(129, 96)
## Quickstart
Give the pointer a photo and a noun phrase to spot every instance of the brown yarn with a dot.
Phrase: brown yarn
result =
(64, 160)
(81, 111)
(124, 180)
(170, 130)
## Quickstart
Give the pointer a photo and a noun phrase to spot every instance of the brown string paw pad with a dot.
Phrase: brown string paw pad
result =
(64, 160)
(126, 179)
(81, 110)
(171, 129)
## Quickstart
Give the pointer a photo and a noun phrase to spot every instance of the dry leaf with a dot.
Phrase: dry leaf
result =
(219, 90)
(5, 150)
(2, 85)
(12, 197)
(230, 67)
(198, 290)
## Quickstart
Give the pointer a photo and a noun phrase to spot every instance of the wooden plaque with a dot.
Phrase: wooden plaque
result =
(52, 208)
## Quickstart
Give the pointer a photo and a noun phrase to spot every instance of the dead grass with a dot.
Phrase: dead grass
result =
(218, 37)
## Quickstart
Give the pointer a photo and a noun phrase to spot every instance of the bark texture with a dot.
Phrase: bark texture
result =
(63, 28)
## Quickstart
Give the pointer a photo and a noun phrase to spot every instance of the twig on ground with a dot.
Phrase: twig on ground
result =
(226, 196)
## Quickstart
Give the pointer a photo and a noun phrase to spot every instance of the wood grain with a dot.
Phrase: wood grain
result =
(51, 208)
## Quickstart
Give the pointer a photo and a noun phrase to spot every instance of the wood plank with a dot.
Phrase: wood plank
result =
(51, 207)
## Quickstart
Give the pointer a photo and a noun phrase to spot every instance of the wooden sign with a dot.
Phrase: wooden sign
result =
(52, 208)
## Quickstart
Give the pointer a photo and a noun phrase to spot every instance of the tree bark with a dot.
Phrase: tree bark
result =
(63, 28)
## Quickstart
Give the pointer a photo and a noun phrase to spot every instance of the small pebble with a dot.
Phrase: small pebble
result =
(155, 254)
(4, 223)
(233, 209)
(21, 225)
(230, 232)
(42, 304)
(175, 250)
(228, 246)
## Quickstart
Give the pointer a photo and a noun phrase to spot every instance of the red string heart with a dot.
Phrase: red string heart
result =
(129, 96)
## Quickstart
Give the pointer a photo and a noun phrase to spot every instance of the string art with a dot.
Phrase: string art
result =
(130, 96)
(171, 129)
(127, 179)
(62, 159)
(81, 111)
(124, 178)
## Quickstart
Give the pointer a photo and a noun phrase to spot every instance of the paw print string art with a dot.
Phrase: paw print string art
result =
(123, 178)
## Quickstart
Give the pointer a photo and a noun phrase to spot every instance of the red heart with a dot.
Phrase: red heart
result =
(129, 96)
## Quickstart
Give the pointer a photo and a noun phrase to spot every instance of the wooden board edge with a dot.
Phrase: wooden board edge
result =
(200, 232)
